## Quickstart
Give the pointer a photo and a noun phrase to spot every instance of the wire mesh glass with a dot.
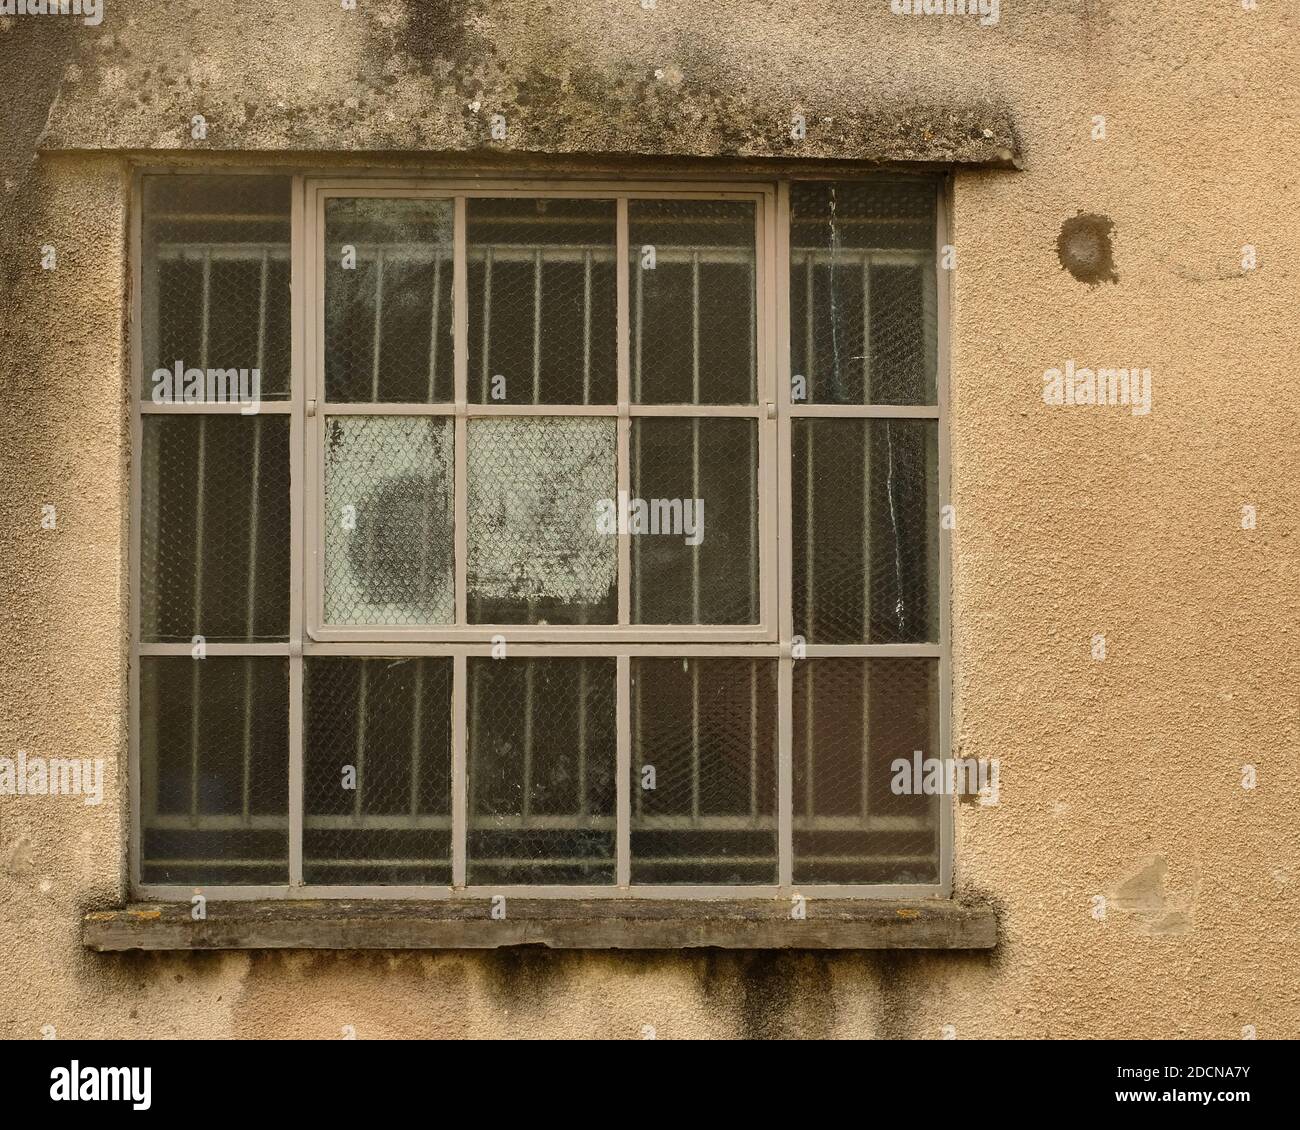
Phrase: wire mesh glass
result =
(853, 718)
(389, 542)
(214, 770)
(541, 762)
(865, 518)
(542, 301)
(693, 301)
(863, 307)
(215, 278)
(693, 520)
(377, 770)
(704, 771)
(537, 554)
(388, 300)
(214, 522)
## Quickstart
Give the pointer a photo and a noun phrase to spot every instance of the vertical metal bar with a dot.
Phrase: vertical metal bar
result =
(943, 361)
(254, 514)
(530, 671)
(695, 425)
(640, 313)
(623, 774)
(866, 425)
(460, 485)
(785, 568)
(305, 271)
(586, 326)
(200, 498)
(537, 326)
(459, 789)
(379, 321)
(417, 734)
(622, 265)
(754, 572)
(487, 321)
(142, 312)
(434, 324)
(695, 662)
(753, 737)
(359, 758)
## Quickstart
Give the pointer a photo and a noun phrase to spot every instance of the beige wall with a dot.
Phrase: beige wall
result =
(1119, 777)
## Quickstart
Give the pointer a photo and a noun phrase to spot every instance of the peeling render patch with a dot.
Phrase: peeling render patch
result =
(1158, 913)
(1085, 250)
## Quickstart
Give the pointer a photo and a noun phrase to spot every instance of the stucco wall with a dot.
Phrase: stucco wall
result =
(1120, 777)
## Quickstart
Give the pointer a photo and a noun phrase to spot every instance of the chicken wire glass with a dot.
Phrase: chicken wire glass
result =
(388, 300)
(541, 763)
(852, 719)
(389, 545)
(863, 308)
(214, 770)
(215, 277)
(536, 552)
(865, 520)
(377, 770)
(704, 773)
(214, 520)
(707, 469)
(542, 301)
(694, 301)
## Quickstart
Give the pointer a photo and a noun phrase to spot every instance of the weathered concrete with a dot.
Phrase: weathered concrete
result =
(1120, 778)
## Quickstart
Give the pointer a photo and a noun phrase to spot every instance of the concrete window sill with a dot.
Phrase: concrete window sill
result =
(600, 924)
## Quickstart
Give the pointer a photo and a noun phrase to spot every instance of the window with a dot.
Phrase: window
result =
(577, 539)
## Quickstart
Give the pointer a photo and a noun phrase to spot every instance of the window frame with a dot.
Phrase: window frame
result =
(773, 410)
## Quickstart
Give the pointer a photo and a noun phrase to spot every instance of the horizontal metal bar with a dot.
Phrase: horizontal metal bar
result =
(170, 892)
(867, 411)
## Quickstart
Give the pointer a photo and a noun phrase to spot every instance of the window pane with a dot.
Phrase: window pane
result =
(541, 763)
(863, 314)
(388, 520)
(377, 771)
(704, 470)
(536, 552)
(214, 770)
(852, 719)
(866, 530)
(214, 537)
(542, 301)
(703, 771)
(693, 301)
(215, 277)
(388, 305)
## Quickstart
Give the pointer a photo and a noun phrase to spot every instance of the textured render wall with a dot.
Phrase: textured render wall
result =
(1120, 777)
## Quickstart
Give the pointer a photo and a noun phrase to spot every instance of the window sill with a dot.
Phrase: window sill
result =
(575, 924)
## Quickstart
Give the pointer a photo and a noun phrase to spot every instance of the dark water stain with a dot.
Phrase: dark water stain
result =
(1085, 249)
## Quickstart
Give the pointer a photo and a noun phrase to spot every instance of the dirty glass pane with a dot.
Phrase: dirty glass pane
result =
(377, 770)
(214, 770)
(863, 314)
(703, 771)
(388, 301)
(542, 301)
(852, 719)
(866, 530)
(541, 762)
(693, 301)
(693, 517)
(537, 554)
(214, 528)
(388, 520)
(215, 277)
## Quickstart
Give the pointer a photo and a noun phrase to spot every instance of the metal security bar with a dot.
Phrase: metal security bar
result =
(765, 455)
